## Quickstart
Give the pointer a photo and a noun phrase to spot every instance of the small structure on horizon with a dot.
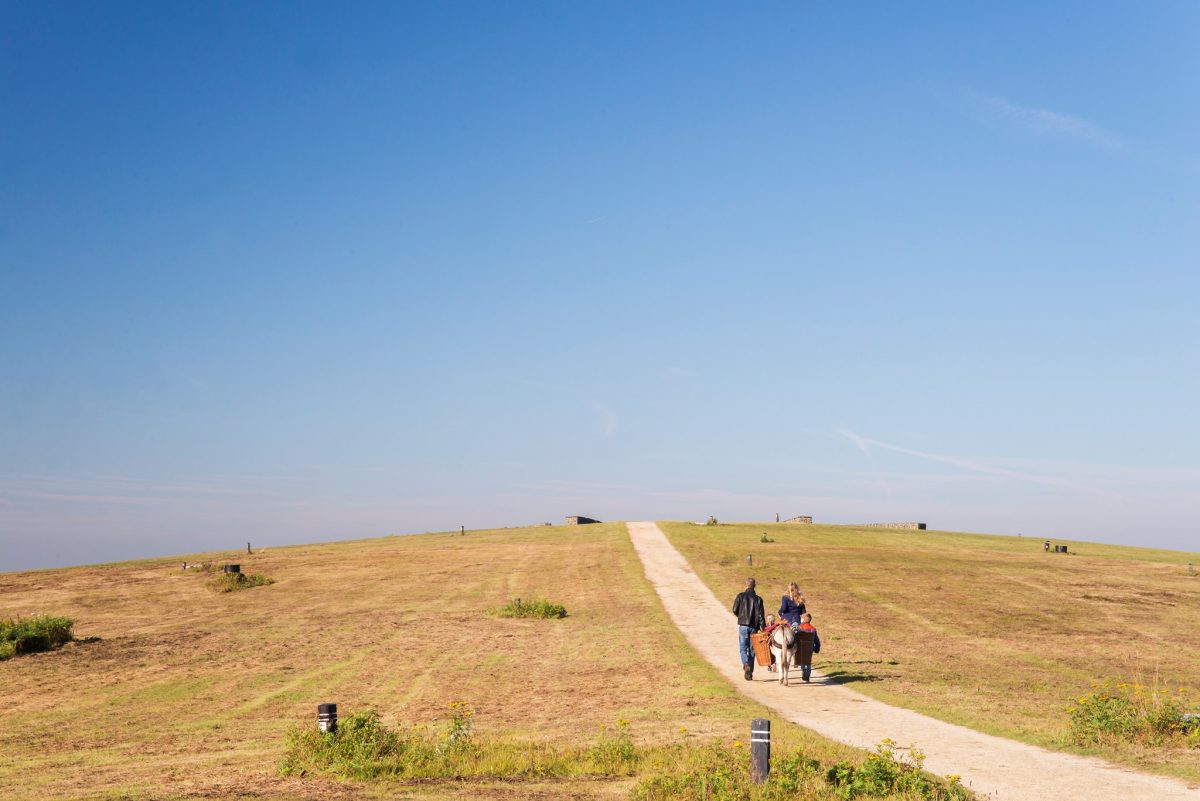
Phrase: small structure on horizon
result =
(804, 520)
(580, 520)
(910, 526)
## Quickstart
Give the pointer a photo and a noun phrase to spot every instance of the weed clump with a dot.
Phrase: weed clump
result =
(364, 748)
(31, 634)
(535, 608)
(232, 582)
(1122, 713)
(717, 772)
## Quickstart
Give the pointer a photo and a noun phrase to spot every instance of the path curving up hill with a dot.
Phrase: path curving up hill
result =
(996, 768)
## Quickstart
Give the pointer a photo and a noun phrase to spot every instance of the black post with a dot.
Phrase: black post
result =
(463, 530)
(247, 548)
(233, 568)
(327, 718)
(760, 750)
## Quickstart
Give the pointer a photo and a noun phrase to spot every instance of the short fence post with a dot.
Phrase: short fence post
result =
(760, 750)
(327, 718)
(247, 547)
(749, 558)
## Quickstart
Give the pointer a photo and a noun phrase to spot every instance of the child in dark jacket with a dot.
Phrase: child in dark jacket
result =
(806, 625)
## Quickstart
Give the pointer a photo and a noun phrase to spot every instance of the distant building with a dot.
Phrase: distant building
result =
(910, 526)
(801, 519)
(580, 520)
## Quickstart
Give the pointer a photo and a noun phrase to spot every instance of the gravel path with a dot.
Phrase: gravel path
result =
(993, 767)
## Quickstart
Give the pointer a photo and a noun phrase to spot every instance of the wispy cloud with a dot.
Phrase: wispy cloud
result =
(607, 417)
(866, 444)
(1042, 121)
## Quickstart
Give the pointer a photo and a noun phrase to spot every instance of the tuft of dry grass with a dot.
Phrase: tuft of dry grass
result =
(989, 632)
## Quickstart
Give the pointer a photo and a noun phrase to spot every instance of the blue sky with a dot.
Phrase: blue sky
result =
(299, 272)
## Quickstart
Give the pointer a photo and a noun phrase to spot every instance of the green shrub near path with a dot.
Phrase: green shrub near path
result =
(363, 747)
(1130, 712)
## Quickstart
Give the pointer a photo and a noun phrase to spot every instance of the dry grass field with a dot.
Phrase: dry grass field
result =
(175, 691)
(989, 632)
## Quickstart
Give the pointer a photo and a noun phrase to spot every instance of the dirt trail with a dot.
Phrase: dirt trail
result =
(999, 769)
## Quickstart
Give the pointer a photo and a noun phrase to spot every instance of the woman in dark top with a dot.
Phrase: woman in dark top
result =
(792, 605)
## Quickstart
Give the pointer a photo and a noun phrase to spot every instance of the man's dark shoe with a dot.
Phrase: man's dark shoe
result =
(749, 674)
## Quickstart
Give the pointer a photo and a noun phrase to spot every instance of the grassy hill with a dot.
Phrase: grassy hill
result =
(986, 631)
(177, 691)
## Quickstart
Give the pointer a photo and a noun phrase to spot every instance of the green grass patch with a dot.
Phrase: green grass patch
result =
(1116, 713)
(31, 634)
(363, 747)
(536, 608)
(232, 582)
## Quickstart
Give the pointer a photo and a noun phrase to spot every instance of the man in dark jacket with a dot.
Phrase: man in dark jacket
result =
(748, 608)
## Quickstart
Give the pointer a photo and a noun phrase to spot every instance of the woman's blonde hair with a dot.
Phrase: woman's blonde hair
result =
(795, 594)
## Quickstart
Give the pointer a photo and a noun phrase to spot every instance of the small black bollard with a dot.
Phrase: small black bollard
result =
(327, 718)
(760, 750)
(233, 568)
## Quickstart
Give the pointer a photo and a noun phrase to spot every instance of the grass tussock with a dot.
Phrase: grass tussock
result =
(32, 634)
(232, 582)
(1124, 713)
(716, 772)
(364, 747)
(538, 607)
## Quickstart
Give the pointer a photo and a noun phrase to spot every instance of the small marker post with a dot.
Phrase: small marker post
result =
(760, 750)
(749, 559)
(327, 718)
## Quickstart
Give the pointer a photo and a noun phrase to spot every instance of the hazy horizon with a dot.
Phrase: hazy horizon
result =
(288, 274)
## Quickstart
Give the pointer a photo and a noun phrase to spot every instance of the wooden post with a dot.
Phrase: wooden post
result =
(760, 750)
(463, 530)
(749, 559)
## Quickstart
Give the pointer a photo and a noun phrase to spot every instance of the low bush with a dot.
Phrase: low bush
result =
(1122, 713)
(882, 774)
(232, 582)
(364, 748)
(718, 773)
(535, 608)
(31, 634)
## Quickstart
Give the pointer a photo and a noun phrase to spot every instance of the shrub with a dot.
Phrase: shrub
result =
(231, 582)
(364, 748)
(535, 608)
(719, 773)
(712, 521)
(1129, 712)
(614, 752)
(31, 634)
(882, 774)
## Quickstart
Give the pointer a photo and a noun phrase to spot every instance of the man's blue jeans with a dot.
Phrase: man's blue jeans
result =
(744, 646)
